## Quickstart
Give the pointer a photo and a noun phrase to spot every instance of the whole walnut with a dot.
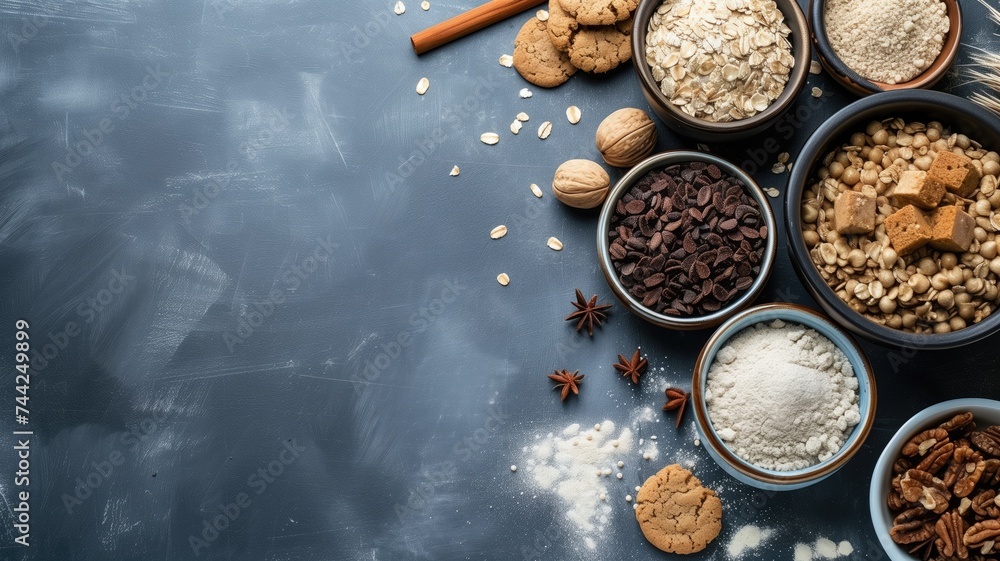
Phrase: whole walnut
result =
(581, 184)
(626, 137)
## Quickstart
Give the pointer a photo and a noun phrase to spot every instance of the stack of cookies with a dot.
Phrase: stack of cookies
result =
(589, 35)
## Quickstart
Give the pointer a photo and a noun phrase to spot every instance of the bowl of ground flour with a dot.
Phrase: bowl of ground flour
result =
(782, 397)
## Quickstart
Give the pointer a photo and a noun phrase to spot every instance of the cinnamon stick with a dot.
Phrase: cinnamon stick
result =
(468, 22)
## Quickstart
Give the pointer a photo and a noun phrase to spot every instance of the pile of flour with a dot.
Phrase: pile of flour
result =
(581, 468)
(782, 396)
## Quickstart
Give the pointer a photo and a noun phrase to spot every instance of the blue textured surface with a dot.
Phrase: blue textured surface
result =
(230, 224)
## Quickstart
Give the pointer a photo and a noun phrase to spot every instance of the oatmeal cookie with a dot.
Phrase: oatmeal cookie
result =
(536, 58)
(676, 514)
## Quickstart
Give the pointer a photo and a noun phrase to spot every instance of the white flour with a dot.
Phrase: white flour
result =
(782, 396)
(580, 466)
(824, 548)
(746, 538)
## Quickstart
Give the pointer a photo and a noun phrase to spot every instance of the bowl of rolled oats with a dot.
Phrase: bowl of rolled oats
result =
(893, 216)
(934, 489)
(720, 69)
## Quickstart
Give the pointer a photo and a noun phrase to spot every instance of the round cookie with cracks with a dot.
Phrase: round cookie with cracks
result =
(601, 49)
(561, 26)
(675, 513)
(537, 60)
(599, 12)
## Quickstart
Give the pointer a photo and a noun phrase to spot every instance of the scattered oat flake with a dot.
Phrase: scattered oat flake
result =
(506, 61)
(425, 5)
(778, 168)
(816, 92)
(554, 244)
(422, 86)
(772, 192)
(573, 114)
(399, 8)
(498, 232)
(542, 15)
(814, 67)
(503, 279)
(544, 130)
(536, 190)
(525, 93)
(783, 157)
(515, 127)
(788, 166)
(523, 117)
(454, 171)
(703, 147)
(490, 138)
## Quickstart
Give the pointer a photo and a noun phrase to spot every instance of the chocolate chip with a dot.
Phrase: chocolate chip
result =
(687, 239)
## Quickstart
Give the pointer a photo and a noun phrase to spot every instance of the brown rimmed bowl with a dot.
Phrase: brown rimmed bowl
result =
(751, 474)
(685, 124)
(862, 86)
(659, 161)
(961, 115)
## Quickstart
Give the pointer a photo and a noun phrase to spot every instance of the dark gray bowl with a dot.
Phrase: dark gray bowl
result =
(954, 112)
(686, 125)
(688, 323)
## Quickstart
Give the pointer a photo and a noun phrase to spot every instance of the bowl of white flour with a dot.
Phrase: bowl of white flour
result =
(782, 397)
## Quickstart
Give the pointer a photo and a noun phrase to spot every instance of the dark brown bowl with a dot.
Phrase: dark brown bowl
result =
(686, 125)
(862, 86)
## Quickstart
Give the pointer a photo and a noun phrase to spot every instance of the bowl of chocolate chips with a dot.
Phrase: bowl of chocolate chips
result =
(686, 239)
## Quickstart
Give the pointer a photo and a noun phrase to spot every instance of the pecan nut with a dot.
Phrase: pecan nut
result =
(987, 441)
(950, 530)
(990, 474)
(970, 469)
(929, 491)
(924, 442)
(902, 465)
(982, 535)
(936, 458)
(957, 422)
(912, 526)
(984, 504)
(894, 499)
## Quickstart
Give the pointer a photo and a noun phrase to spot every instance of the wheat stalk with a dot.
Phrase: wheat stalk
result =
(986, 69)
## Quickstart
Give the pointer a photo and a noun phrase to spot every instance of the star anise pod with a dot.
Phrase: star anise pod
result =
(590, 313)
(634, 367)
(569, 382)
(676, 400)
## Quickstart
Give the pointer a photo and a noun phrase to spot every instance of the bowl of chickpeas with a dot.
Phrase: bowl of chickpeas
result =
(893, 219)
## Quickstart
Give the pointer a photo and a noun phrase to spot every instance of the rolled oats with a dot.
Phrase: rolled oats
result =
(719, 60)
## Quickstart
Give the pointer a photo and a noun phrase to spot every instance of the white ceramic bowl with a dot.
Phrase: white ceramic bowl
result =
(985, 411)
(743, 470)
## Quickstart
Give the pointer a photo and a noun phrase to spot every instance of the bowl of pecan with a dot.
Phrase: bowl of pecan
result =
(934, 492)
(686, 239)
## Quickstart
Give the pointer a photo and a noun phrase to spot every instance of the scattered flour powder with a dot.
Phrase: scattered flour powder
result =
(782, 396)
(824, 548)
(745, 539)
(580, 467)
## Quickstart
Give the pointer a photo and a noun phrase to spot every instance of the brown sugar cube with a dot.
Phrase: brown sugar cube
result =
(854, 213)
(955, 173)
(914, 189)
(908, 229)
(951, 229)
